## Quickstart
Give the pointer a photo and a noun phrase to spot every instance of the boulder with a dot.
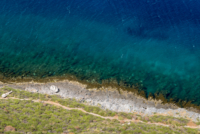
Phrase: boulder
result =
(54, 89)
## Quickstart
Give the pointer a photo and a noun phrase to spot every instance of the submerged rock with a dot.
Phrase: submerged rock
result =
(54, 89)
(6, 94)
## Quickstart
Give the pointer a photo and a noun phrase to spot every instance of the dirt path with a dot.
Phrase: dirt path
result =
(189, 125)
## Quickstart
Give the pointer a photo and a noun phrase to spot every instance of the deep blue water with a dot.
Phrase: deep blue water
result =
(155, 43)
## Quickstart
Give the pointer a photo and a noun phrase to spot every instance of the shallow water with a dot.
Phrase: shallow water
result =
(155, 44)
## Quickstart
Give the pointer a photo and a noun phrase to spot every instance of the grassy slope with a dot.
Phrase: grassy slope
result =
(29, 116)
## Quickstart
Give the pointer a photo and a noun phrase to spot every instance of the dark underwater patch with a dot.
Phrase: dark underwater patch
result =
(146, 33)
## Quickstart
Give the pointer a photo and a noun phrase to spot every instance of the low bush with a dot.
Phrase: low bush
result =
(28, 116)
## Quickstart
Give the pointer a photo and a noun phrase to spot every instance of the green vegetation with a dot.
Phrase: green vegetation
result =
(28, 116)
(169, 120)
(198, 121)
(66, 102)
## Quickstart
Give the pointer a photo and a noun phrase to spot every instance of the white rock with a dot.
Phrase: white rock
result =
(54, 89)
(33, 90)
(125, 108)
(114, 107)
(6, 94)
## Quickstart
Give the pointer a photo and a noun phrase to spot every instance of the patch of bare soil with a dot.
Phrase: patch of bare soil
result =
(191, 124)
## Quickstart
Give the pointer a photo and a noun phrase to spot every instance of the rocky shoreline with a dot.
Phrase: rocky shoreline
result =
(107, 98)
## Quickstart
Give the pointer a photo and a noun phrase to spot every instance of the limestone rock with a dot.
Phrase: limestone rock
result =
(33, 90)
(9, 128)
(54, 89)
(114, 107)
(6, 94)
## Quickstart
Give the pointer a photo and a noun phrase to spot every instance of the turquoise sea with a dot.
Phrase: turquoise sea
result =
(153, 43)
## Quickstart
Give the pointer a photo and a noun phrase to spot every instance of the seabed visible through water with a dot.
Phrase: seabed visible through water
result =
(127, 49)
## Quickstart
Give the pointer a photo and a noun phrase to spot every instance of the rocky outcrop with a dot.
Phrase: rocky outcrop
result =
(109, 99)
(30, 89)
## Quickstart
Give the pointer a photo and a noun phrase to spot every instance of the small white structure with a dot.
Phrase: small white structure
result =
(54, 89)
(6, 94)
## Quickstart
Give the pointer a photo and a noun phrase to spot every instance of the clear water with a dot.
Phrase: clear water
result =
(151, 42)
